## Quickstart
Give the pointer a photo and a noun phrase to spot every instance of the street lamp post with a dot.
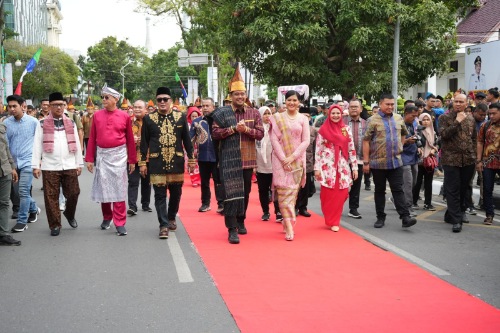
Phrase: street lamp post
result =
(4, 78)
(122, 73)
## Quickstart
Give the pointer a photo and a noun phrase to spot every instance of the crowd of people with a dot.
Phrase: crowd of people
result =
(286, 149)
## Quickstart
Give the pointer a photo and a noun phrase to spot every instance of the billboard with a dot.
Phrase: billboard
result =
(482, 68)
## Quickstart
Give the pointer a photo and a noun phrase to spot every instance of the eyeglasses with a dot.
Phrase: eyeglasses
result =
(106, 97)
(163, 99)
(57, 105)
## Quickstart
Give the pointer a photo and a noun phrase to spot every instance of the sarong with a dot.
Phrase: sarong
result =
(111, 179)
(286, 201)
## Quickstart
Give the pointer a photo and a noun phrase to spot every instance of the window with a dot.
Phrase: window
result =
(453, 84)
(454, 66)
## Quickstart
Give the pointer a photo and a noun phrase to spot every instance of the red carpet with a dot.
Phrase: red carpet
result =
(324, 281)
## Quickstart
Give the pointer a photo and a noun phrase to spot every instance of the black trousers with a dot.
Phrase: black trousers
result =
(367, 177)
(161, 202)
(426, 177)
(395, 179)
(355, 189)
(133, 188)
(264, 182)
(304, 193)
(207, 170)
(235, 221)
(456, 182)
(14, 197)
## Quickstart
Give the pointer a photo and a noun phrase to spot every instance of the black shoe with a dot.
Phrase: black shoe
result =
(304, 212)
(33, 217)
(7, 240)
(15, 215)
(368, 188)
(220, 209)
(379, 224)
(266, 217)
(354, 214)
(457, 227)
(121, 231)
(296, 211)
(409, 221)
(20, 227)
(233, 236)
(105, 224)
(147, 209)
(204, 208)
(429, 207)
(279, 217)
(241, 229)
(131, 212)
(72, 222)
(55, 231)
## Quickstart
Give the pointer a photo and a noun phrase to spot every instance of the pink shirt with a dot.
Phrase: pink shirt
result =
(111, 129)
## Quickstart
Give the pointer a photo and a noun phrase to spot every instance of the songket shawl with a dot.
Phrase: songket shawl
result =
(230, 163)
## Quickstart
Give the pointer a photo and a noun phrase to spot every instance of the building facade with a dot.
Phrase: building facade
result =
(36, 21)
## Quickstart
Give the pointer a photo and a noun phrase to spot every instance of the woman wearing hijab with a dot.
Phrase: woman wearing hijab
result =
(289, 138)
(194, 175)
(265, 167)
(429, 147)
(334, 151)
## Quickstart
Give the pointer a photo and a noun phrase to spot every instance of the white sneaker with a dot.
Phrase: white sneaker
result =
(62, 207)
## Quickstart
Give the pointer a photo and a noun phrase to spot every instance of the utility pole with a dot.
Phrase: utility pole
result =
(395, 56)
(122, 72)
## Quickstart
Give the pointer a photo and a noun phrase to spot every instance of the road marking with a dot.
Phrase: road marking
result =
(181, 266)
(400, 252)
(429, 213)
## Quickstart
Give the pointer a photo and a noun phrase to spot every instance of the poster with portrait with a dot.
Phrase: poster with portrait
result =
(482, 68)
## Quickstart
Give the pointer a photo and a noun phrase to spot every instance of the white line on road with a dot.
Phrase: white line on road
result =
(400, 252)
(181, 266)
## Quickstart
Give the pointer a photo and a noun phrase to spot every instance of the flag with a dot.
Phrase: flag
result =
(29, 68)
(184, 92)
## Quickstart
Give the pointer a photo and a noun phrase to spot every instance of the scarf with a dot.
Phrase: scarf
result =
(48, 133)
(428, 133)
(230, 164)
(336, 134)
(266, 139)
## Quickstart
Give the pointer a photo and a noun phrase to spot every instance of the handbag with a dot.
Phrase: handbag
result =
(430, 163)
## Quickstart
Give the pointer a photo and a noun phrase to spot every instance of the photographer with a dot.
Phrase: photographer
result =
(410, 156)
(428, 139)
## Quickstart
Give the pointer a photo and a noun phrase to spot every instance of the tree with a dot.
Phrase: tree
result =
(335, 46)
(55, 70)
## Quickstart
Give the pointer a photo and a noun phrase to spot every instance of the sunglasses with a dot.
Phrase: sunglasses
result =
(163, 99)
(106, 97)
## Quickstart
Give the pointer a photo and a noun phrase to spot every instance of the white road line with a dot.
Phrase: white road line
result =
(181, 266)
(400, 252)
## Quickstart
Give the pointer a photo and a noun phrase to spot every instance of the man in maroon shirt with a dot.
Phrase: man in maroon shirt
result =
(111, 146)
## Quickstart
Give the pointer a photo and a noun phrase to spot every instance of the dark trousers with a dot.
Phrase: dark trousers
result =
(395, 179)
(235, 221)
(133, 189)
(304, 193)
(52, 183)
(207, 170)
(161, 202)
(264, 182)
(5, 187)
(14, 197)
(426, 177)
(355, 189)
(488, 184)
(368, 176)
(456, 182)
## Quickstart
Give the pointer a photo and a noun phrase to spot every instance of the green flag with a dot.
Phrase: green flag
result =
(177, 78)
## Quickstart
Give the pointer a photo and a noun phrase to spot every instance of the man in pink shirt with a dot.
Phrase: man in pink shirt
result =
(111, 146)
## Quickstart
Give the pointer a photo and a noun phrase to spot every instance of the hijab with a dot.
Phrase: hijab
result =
(336, 133)
(191, 111)
(428, 133)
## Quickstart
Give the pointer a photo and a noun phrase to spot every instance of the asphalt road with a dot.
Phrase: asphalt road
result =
(89, 280)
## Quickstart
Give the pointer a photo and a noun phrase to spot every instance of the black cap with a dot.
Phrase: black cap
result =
(163, 91)
(480, 95)
(57, 96)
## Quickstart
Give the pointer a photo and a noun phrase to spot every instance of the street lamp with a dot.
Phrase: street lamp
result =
(122, 73)
(4, 74)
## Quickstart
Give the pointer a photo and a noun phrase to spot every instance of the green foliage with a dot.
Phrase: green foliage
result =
(334, 46)
(55, 70)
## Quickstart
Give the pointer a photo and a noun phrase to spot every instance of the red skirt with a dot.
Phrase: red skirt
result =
(332, 204)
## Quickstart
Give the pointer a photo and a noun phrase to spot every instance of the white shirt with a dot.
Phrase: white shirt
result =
(60, 158)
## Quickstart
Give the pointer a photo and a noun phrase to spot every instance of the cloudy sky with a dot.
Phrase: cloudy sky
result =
(87, 22)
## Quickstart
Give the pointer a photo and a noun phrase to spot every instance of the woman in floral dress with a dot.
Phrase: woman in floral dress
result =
(334, 151)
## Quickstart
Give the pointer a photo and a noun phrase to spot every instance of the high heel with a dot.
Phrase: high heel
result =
(289, 236)
(335, 228)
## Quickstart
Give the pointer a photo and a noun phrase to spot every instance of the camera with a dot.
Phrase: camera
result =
(418, 135)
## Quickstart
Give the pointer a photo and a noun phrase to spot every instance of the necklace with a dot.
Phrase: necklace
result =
(290, 117)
